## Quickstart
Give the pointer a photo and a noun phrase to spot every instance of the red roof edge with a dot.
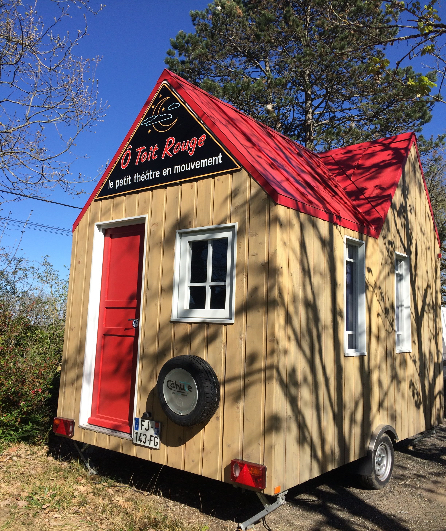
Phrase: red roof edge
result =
(413, 141)
(119, 151)
(326, 216)
(359, 225)
(281, 199)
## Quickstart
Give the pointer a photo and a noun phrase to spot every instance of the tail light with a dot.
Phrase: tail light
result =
(63, 427)
(249, 474)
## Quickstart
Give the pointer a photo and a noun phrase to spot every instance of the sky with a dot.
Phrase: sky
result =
(131, 37)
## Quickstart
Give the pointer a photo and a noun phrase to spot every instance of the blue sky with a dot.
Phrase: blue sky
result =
(132, 37)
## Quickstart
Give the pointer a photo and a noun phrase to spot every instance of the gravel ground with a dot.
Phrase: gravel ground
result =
(414, 500)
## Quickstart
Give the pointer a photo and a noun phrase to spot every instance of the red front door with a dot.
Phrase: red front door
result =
(115, 366)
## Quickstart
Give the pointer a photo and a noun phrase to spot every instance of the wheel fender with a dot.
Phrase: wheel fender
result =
(364, 466)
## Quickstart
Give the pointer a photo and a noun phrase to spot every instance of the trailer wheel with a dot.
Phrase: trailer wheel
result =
(188, 390)
(382, 464)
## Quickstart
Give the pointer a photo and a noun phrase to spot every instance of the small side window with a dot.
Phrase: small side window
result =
(402, 304)
(204, 277)
(354, 298)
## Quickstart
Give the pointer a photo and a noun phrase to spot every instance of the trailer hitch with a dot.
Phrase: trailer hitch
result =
(268, 508)
(90, 469)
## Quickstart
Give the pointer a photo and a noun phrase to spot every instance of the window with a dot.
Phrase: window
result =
(402, 304)
(204, 277)
(354, 298)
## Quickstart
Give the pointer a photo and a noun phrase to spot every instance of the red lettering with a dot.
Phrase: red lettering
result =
(144, 156)
(127, 154)
(185, 146)
(153, 149)
(201, 140)
(169, 143)
(192, 146)
(177, 148)
(139, 154)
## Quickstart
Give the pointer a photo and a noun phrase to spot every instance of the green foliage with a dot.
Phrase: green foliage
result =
(306, 69)
(421, 84)
(32, 300)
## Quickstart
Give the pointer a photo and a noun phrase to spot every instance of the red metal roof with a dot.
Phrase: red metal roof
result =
(352, 187)
(370, 172)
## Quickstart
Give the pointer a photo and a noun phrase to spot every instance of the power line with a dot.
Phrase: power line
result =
(39, 199)
(38, 226)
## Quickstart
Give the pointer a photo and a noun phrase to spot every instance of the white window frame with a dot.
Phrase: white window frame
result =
(180, 310)
(403, 336)
(359, 310)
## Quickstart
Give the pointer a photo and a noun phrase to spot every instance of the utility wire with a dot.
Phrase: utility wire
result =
(38, 226)
(39, 199)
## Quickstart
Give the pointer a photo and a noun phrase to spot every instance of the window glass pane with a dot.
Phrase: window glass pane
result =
(351, 251)
(197, 297)
(354, 316)
(399, 296)
(218, 297)
(351, 341)
(198, 263)
(349, 296)
(219, 260)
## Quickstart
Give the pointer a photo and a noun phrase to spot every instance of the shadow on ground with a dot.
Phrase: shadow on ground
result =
(333, 497)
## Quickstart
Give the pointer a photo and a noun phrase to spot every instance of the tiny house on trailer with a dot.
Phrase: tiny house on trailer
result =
(242, 308)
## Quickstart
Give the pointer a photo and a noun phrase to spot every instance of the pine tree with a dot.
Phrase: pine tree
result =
(287, 64)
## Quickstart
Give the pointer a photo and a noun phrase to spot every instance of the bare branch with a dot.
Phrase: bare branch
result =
(48, 96)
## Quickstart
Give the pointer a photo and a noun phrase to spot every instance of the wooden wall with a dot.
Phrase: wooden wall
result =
(289, 397)
(329, 403)
(237, 352)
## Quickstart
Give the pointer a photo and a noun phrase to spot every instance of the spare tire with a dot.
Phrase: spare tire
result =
(188, 390)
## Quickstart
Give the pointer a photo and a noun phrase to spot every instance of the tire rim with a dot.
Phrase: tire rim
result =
(383, 462)
(180, 391)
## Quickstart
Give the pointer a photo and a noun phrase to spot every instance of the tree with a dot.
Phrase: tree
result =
(305, 70)
(32, 316)
(415, 25)
(48, 96)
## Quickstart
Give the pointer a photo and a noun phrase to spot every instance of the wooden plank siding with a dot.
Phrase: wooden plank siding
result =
(290, 399)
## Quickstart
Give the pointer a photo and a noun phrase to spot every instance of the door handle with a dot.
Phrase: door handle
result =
(135, 322)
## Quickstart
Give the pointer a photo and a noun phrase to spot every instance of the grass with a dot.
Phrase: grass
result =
(42, 493)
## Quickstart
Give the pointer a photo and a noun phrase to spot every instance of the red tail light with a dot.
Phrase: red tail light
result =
(63, 427)
(249, 474)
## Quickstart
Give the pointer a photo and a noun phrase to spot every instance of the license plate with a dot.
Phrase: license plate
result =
(146, 433)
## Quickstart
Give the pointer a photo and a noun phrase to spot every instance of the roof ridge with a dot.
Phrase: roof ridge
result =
(249, 117)
(291, 174)
(336, 190)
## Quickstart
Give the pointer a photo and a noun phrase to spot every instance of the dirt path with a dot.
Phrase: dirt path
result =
(41, 492)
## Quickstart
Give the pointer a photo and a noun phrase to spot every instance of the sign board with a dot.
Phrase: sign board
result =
(168, 145)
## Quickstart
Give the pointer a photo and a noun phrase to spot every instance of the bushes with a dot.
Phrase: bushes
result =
(32, 301)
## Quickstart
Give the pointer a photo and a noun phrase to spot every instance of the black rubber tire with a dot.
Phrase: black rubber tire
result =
(207, 386)
(382, 464)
